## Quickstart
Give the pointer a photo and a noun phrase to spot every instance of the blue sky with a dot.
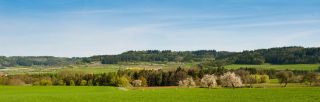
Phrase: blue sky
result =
(94, 27)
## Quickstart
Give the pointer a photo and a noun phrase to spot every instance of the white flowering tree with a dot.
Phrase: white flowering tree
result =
(137, 83)
(209, 81)
(189, 82)
(230, 79)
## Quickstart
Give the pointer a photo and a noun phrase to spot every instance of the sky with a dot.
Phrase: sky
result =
(79, 28)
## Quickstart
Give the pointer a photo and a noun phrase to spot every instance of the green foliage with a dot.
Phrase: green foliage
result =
(90, 83)
(120, 82)
(260, 78)
(36, 60)
(45, 82)
(72, 83)
(311, 77)
(162, 56)
(284, 77)
(61, 83)
(247, 57)
(308, 67)
(83, 83)
(284, 55)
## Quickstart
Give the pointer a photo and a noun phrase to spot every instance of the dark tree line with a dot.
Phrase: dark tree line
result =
(153, 77)
(161, 56)
(37, 60)
(284, 55)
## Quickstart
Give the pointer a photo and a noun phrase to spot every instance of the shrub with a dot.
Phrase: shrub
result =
(256, 79)
(45, 82)
(137, 83)
(244, 75)
(284, 77)
(3, 80)
(61, 83)
(311, 77)
(189, 82)
(230, 80)
(122, 82)
(297, 79)
(143, 81)
(83, 83)
(260, 78)
(90, 83)
(209, 81)
(16, 82)
(72, 83)
(264, 78)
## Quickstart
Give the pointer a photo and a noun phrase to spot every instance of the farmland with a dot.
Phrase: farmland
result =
(94, 68)
(145, 65)
(111, 94)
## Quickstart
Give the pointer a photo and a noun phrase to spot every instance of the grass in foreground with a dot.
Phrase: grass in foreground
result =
(112, 94)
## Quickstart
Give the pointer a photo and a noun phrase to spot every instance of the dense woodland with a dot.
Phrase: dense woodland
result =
(284, 55)
(37, 60)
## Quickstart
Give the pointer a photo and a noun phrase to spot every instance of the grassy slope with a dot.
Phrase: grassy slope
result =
(277, 67)
(94, 68)
(111, 94)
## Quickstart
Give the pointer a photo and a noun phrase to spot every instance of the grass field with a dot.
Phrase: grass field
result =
(94, 68)
(277, 67)
(112, 94)
(143, 65)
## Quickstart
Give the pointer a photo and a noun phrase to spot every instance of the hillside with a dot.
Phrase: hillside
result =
(283, 55)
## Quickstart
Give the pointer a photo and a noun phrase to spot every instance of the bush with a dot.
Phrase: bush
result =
(137, 83)
(61, 83)
(122, 82)
(264, 79)
(284, 77)
(83, 83)
(311, 77)
(260, 78)
(16, 82)
(72, 83)
(3, 80)
(297, 79)
(90, 83)
(244, 75)
(209, 81)
(143, 81)
(45, 82)
(230, 80)
(189, 82)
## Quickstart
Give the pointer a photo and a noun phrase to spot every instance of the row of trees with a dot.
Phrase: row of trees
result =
(37, 60)
(183, 77)
(160, 56)
(284, 55)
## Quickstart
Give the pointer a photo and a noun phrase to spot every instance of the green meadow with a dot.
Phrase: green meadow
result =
(113, 94)
(145, 65)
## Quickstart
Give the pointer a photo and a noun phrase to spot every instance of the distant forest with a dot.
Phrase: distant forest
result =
(283, 55)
